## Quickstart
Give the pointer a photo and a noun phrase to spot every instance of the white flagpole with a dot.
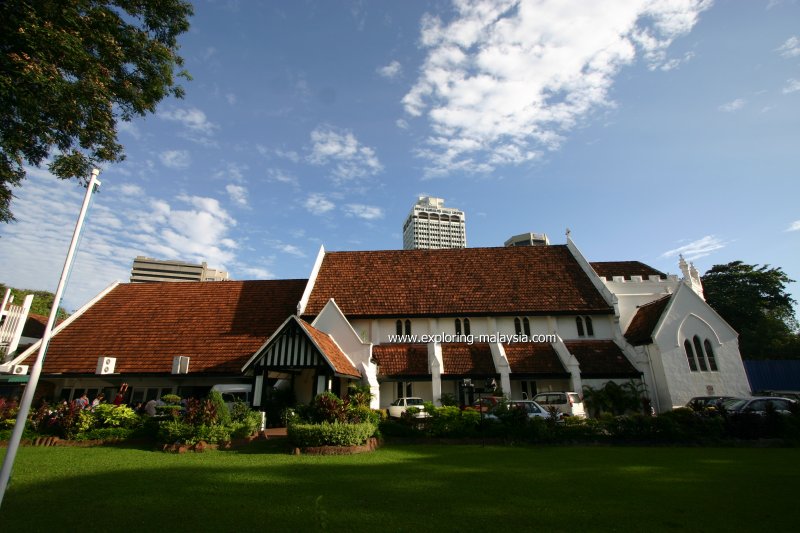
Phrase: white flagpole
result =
(30, 388)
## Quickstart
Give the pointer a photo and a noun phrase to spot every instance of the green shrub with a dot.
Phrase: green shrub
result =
(109, 433)
(215, 434)
(330, 434)
(223, 414)
(112, 416)
(171, 399)
(448, 400)
(175, 432)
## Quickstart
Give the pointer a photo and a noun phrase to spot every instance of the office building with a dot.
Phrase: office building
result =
(432, 225)
(147, 269)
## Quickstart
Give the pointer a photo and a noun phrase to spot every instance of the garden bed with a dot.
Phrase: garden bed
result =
(371, 445)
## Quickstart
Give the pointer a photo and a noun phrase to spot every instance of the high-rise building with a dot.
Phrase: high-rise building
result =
(148, 269)
(528, 239)
(432, 225)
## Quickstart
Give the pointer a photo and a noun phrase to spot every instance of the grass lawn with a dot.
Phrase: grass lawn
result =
(405, 488)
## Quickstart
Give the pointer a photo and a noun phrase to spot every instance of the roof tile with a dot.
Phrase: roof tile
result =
(601, 359)
(640, 330)
(460, 281)
(401, 359)
(219, 325)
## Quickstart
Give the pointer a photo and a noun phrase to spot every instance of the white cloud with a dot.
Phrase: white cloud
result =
(130, 128)
(733, 105)
(128, 189)
(232, 172)
(231, 98)
(277, 175)
(401, 123)
(237, 194)
(290, 249)
(175, 158)
(696, 249)
(794, 226)
(792, 86)
(504, 80)
(317, 204)
(350, 158)
(117, 229)
(391, 71)
(790, 48)
(193, 119)
(367, 212)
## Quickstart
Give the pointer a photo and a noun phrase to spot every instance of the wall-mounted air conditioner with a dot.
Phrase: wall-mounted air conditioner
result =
(180, 364)
(19, 370)
(105, 365)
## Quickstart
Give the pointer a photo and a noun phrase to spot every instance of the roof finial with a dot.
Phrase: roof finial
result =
(569, 232)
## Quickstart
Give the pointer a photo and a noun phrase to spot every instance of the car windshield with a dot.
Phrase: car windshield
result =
(735, 404)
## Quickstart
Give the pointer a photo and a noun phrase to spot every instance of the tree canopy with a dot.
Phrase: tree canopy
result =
(754, 301)
(70, 69)
(42, 301)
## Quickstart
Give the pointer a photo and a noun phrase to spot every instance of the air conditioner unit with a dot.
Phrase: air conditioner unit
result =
(19, 370)
(105, 365)
(180, 364)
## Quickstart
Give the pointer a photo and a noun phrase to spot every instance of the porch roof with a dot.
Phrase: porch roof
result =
(640, 330)
(402, 359)
(339, 362)
(601, 359)
(462, 359)
(533, 358)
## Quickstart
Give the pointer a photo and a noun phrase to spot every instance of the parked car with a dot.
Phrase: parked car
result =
(401, 405)
(707, 403)
(484, 404)
(533, 410)
(760, 405)
(792, 395)
(567, 403)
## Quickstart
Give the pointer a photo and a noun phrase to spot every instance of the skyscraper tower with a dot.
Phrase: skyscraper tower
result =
(432, 225)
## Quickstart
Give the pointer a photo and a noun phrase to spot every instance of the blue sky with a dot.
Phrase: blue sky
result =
(648, 128)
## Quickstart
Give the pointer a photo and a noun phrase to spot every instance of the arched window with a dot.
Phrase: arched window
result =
(687, 347)
(458, 326)
(589, 327)
(398, 327)
(466, 326)
(712, 361)
(698, 348)
(579, 324)
(408, 327)
(526, 326)
(517, 326)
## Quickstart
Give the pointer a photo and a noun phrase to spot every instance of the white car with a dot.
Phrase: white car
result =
(567, 403)
(400, 405)
(531, 408)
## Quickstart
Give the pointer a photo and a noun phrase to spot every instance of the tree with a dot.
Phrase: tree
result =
(754, 301)
(42, 301)
(70, 69)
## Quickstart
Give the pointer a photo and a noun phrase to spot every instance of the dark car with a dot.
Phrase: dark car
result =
(707, 403)
(760, 405)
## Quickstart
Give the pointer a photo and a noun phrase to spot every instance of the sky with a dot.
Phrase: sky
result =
(648, 128)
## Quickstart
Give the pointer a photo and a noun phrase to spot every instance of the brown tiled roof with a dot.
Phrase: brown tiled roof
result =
(34, 326)
(608, 269)
(464, 359)
(401, 359)
(338, 360)
(462, 281)
(601, 359)
(533, 358)
(219, 325)
(640, 330)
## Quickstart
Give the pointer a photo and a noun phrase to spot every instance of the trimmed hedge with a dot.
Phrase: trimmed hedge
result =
(330, 434)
